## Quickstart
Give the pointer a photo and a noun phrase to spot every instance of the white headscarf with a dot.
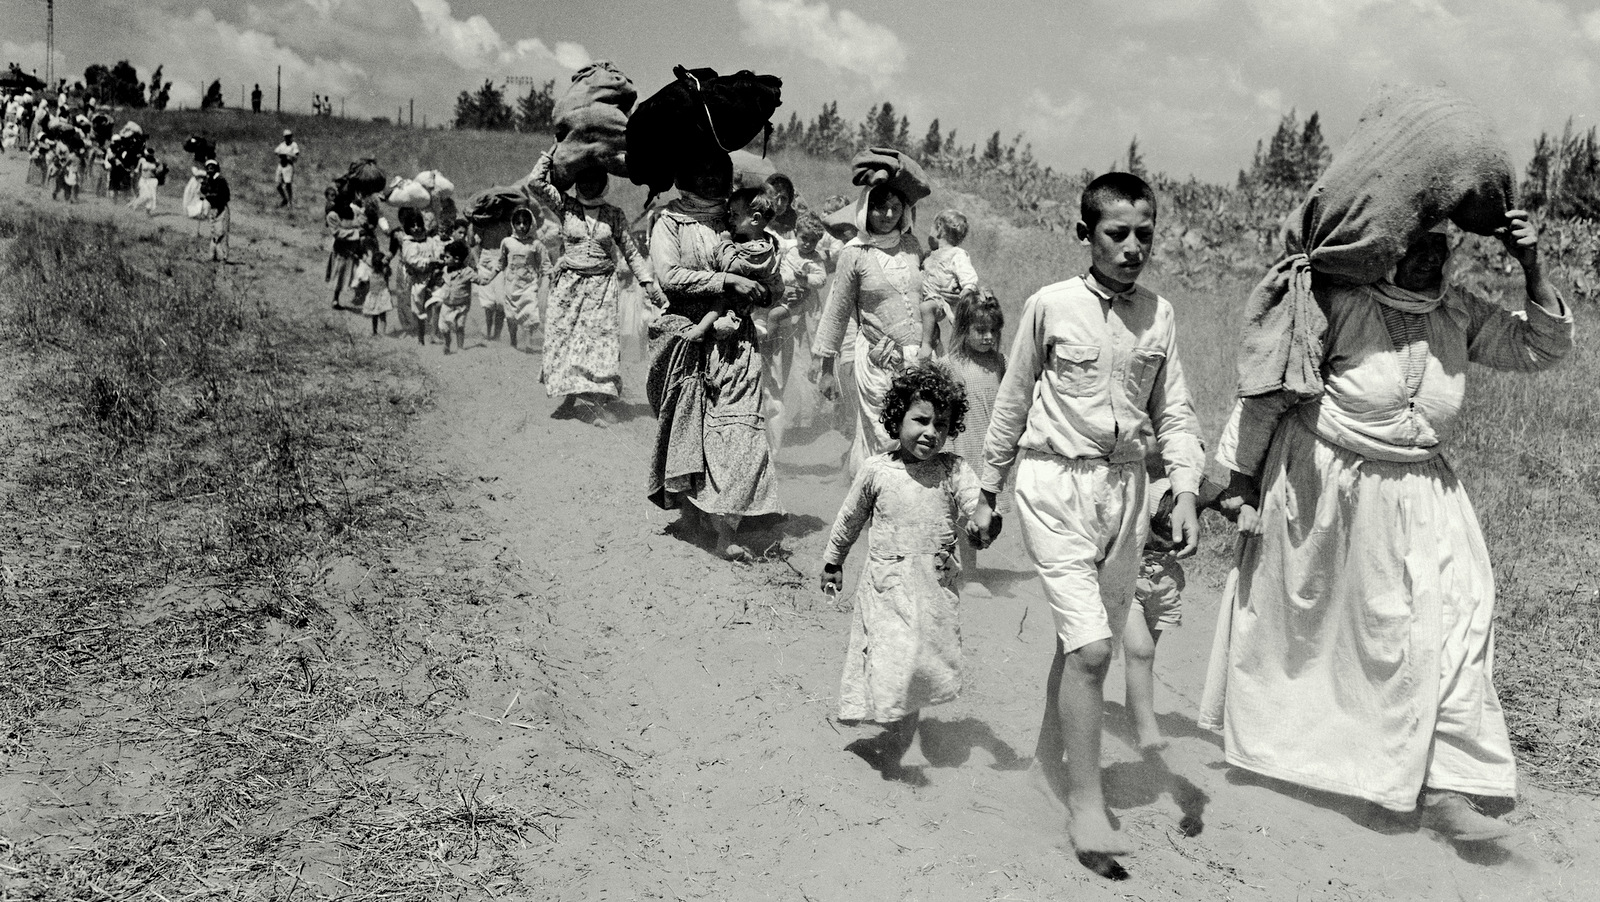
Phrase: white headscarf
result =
(889, 240)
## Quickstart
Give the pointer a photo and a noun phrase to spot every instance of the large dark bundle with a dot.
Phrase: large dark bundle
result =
(201, 147)
(1419, 155)
(365, 177)
(492, 205)
(698, 115)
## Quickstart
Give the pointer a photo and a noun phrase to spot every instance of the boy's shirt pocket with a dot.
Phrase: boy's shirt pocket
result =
(1143, 369)
(1074, 368)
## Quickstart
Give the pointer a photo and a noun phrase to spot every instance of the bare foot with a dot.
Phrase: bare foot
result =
(1150, 738)
(1091, 832)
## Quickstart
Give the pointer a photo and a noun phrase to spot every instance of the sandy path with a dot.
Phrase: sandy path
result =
(679, 706)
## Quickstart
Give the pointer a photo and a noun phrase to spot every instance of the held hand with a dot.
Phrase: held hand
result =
(832, 581)
(656, 295)
(743, 288)
(1185, 526)
(1240, 492)
(979, 528)
(1249, 520)
(924, 354)
(1520, 237)
(828, 385)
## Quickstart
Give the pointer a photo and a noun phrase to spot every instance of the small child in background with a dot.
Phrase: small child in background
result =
(422, 255)
(905, 639)
(947, 274)
(378, 301)
(524, 260)
(976, 360)
(1157, 604)
(804, 274)
(453, 295)
(10, 135)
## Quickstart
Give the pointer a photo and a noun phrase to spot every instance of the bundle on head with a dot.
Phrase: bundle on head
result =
(364, 177)
(1418, 156)
(698, 115)
(591, 121)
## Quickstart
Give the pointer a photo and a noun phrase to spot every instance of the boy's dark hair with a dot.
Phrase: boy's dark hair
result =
(460, 224)
(932, 382)
(953, 223)
(456, 248)
(782, 183)
(1110, 188)
(755, 198)
(970, 309)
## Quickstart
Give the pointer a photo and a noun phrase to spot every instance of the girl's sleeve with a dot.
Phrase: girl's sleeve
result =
(536, 185)
(1528, 340)
(853, 516)
(964, 484)
(666, 258)
(840, 306)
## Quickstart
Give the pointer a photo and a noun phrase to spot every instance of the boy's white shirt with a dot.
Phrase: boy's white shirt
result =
(1095, 374)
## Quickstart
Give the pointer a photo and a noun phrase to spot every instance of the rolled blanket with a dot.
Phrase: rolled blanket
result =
(599, 82)
(597, 135)
(1418, 156)
(885, 165)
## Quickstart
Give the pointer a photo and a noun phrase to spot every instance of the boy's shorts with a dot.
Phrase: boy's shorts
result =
(1084, 524)
(1158, 594)
(452, 317)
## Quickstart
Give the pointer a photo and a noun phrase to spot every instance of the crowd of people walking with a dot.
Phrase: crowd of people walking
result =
(1354, 645)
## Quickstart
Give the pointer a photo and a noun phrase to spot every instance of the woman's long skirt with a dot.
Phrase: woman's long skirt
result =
(1355, 646)
(581, 352)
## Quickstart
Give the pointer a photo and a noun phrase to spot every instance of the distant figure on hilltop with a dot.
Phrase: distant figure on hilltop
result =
(255, 100)
(288, 154)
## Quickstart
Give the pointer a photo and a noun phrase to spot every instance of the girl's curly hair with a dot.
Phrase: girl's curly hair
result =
(932, 382)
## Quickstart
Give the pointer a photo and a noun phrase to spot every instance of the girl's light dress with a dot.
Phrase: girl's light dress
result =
(905, 637)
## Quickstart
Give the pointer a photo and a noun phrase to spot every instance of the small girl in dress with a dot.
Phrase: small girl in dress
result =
(905, 639)
(976, 360)
(378, 301)
(524, 260)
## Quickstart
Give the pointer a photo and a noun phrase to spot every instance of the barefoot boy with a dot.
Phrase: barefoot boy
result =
(1092, 381)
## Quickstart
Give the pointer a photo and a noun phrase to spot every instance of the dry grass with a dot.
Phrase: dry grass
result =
(193, 704)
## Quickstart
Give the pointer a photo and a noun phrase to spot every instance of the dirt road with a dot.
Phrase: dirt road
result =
(670, 713)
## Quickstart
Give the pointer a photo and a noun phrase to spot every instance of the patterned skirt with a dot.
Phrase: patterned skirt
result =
(581, 352)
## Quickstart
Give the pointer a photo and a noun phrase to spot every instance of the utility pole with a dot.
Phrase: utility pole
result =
(50, 42)
(279, 103)
(341, 108)
(412, 104)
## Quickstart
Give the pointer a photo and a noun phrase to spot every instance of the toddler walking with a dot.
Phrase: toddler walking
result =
(905, 639)
(453, 295)
(1157, 605)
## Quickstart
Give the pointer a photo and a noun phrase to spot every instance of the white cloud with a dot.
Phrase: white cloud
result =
(474, 44)
(1591, 26)
(840, 40)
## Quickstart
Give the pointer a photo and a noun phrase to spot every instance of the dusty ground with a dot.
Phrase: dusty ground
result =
(665, 716)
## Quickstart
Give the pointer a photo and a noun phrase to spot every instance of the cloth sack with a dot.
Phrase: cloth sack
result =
(364, 177)
(698, 114)
(200, 147)
(434, 182)
(599, 82)
(494, 204)
(887, 166)
(596, 135)
(404, 192)
(1418, 156)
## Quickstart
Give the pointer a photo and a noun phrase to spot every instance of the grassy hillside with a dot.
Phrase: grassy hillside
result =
(1532, 463)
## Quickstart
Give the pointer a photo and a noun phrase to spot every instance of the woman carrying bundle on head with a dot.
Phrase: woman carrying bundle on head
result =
(877, 283)
(1354, 653)
(711, 454)
(582, 353)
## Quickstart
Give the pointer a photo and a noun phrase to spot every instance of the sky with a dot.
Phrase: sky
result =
(1198, 82)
